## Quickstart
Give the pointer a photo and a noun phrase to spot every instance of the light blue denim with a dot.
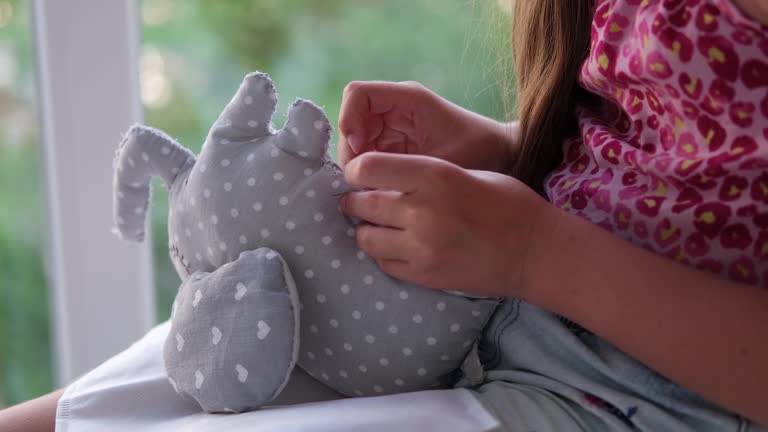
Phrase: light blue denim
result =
(544, 373)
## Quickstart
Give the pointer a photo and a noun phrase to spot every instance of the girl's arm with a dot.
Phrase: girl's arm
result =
(757, 9)
(704, 332)
(37, 415)
(435, 224)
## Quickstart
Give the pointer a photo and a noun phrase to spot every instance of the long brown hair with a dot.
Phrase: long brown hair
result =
(550, 41)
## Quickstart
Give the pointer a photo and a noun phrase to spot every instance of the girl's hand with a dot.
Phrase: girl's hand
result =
(408, 118)
(433, 223)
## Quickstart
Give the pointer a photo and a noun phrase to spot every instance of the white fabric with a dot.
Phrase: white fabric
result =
(130, 392)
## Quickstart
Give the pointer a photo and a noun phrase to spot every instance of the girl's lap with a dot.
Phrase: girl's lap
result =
(131, 392)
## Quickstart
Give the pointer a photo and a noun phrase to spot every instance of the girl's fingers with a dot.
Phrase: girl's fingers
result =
(360, 102)
(362, 105)
(384, 208)
(390, 171)
(364, 98)
(391, 141)
(381, 243)
(353, 145)
(396, 268)
(344, 151)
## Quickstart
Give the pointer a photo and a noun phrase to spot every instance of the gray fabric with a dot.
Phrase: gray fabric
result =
(233, 343)
(561, 371)
(362, 332)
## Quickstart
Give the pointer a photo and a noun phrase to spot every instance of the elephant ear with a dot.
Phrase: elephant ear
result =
(306, 132)
(248, 115)
(235, 333)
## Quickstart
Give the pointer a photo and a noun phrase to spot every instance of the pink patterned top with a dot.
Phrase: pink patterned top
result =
(675, 157)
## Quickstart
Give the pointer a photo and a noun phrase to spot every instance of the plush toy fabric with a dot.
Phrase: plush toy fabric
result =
(272, 275)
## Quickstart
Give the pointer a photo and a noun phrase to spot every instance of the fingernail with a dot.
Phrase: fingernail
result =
(354, 143)
(343, 202)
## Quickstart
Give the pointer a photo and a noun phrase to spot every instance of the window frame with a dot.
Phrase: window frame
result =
(100, 288)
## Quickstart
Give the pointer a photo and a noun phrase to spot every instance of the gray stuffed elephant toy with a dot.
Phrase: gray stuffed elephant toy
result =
(271, 272)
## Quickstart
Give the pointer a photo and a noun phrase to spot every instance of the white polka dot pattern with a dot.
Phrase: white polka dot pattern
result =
(363, 332)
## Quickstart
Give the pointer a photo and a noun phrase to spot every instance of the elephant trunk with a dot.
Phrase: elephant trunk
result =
(144, 152)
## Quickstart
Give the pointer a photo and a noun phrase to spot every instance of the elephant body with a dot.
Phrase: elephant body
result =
(272, 275)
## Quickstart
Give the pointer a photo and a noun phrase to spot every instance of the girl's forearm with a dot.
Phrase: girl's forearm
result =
(704, 332)
(508, 134)
(495, 142)
(37, 415)
(757, 9)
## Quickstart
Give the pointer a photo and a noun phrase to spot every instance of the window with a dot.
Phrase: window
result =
(25, 352)
(69, 90)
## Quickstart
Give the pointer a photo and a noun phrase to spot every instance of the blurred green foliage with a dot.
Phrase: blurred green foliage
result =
(312, 50)
(194, 54)
(25, 353)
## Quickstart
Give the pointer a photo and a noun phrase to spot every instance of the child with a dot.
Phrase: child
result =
(668, 151)
(650, 128)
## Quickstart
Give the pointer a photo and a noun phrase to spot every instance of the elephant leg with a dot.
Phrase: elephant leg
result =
(234, 334)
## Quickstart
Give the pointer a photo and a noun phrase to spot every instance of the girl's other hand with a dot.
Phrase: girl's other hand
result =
(433, 223)
(408, 118)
